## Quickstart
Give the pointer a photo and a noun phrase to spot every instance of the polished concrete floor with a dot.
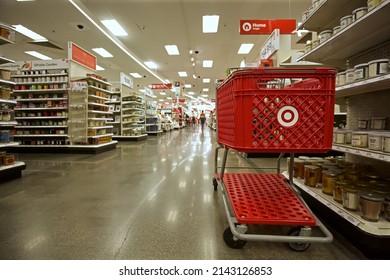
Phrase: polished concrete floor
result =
(144, 200)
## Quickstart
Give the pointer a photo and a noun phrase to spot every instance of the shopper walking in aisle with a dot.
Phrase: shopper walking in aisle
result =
(193, 120)
(202, 119)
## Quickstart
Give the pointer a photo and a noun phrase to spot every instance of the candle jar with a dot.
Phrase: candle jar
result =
(311, 175)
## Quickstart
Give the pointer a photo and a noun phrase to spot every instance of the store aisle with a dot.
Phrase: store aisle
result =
(144, 200)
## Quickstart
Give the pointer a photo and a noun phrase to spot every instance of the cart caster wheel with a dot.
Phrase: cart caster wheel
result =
(215, 184)
(299, 247)
(232, 241)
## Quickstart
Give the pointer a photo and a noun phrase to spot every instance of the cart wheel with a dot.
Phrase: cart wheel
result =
(215, 184)
(299, 247)
(231, 240)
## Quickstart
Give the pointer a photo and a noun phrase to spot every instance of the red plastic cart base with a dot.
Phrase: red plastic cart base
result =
(265, 199)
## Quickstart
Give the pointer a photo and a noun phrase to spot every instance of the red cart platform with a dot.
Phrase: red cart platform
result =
(266, 111)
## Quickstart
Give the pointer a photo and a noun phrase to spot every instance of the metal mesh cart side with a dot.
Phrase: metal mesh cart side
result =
(272, 110)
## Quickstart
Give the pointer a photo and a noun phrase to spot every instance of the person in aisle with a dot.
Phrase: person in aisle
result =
(202, 118)
(193, 120)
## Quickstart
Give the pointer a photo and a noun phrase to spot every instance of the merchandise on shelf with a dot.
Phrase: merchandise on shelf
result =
(133, 115)
(99, 132)
(342, 180)
(360, 51)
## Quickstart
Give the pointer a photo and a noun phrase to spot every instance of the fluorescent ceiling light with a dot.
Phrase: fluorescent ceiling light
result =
(151, 64)
(163, 93)
(172, 49)
(206, 80)
(194, 76)
(207, 63)
(182, 74)
(114, 27)
(192, 59)
(99, 68)
(102, 52)
(169, 97)
(29, 33)
(38, 55)
(245, 48)
(210, 24)
(142, 90)
(188, 86)
(205, 89)
(136, 75)
(191, 93)
(205, 95)
(161, 100)
(167, 103)
(87, 14)
(25, 0)
(193, 63)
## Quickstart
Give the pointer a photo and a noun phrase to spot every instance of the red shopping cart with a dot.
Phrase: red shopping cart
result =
(272, 110)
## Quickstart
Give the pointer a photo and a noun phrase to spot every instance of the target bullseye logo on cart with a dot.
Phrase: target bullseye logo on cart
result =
(288, 116)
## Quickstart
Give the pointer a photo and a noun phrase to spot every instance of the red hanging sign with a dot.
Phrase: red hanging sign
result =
(81, 56)
(161, 86)
(267, 26)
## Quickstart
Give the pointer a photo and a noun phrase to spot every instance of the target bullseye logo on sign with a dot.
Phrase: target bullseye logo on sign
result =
(288, 116)
(246, 26)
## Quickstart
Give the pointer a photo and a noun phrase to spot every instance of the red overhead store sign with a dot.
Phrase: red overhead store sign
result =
(267, 26)
(161, 86)
(81, 56)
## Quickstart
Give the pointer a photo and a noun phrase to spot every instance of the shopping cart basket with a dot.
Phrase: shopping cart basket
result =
(272, 110)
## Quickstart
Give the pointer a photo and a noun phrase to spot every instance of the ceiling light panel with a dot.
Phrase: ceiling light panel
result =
(210, 24)
(245, 48)
(172, 50)
(207, 63)
(136, 75)
(205, 89)
(151, 64)
(38, 55)
(183, 74)
(206, 80)
(102, 52)
(29, 33)
(99, 68)
(188, 86)
(114, 27)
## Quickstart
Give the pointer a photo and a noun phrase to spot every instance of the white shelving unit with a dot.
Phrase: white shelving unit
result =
(133, 116)
(364, 40)
(7, 123)
(380, 228)
(153, 121)
(42, 106)
(368, 31)
(99, 132)
(115, 108)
